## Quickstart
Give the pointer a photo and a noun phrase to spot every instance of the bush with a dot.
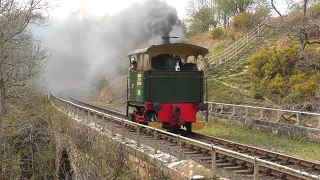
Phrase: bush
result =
(303, 86)
(247, 21)
(258, 96)
(231, 33)
(274, 76)
(218, 33)
(240, 22)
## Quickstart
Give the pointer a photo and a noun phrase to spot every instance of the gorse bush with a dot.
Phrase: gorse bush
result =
(304, 88)
(247, 21)
(275, 75)
(218, 33)
(240, 22)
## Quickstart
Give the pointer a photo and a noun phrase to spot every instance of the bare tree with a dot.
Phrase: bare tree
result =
(20, 52)
(306, 26)
(299, 27)
(275, 8)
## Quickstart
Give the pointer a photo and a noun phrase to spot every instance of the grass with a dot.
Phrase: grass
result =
(218, 92)
(221, 93)
(218, 49)
(241, 80)
(236, 64)
(108, 105)
(271, 142)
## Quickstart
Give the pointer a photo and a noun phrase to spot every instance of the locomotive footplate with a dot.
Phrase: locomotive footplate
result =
(157, 125)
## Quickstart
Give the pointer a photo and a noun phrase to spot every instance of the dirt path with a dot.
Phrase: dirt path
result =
(244, 71)
(232, 75)
(221, 78)
(231, 86)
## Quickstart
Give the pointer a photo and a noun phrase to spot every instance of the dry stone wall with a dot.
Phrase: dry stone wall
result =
(282, 129)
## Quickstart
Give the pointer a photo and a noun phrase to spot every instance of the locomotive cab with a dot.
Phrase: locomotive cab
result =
(166, 89)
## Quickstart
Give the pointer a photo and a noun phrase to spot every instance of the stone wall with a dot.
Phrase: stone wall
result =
(141, 160)
(282, 129)
(162, 166)
(147, 165)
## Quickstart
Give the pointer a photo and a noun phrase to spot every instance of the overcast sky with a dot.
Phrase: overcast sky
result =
(97, 48)
(103, 7)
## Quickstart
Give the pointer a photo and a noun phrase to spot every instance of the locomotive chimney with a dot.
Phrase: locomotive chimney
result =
(166, 40)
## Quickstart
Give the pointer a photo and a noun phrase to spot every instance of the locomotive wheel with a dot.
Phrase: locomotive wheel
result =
(175, 129)
(188, 126)
(151, 116)
(132, 118)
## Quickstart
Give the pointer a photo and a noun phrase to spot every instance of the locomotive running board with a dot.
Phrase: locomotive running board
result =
(155, 125)
(198, 125)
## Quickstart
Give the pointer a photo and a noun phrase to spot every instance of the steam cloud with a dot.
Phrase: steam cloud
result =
(84, 47)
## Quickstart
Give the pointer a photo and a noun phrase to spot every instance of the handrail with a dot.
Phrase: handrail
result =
(252, 32)
(241, 47)
(247, 107)
(256, 161)
(244, 40)
(258, 107)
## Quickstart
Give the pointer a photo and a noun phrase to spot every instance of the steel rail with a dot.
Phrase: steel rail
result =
(262, 152)
(258, 151)
(272, 168)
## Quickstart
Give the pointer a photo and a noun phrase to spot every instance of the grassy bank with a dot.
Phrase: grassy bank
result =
(271, 142)
(118, 107)
(219, 92)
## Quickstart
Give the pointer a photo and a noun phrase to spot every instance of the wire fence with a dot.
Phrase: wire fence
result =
(298, 118)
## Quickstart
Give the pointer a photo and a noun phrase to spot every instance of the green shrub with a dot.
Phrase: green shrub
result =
(303, 86)
(218, 33)
(274, 76)
(258, 96)
(247, 21)
(232, 35)
(258, 60)
(240, 22)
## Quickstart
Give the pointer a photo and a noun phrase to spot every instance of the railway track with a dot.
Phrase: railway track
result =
(303, 168)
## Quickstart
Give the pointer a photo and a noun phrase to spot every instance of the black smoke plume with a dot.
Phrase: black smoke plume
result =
(84, 47)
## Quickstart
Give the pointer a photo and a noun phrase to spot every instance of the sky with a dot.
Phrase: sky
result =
(103, 7)
(110, 7)
(97, 47)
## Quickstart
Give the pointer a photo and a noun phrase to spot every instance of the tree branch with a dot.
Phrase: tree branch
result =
(313, 42)
(274, 7)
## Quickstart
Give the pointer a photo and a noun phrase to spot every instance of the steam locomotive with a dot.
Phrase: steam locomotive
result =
(164, 88)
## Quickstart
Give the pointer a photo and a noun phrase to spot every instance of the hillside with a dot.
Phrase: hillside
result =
(229, 82)
(235, 81)
(266, 70)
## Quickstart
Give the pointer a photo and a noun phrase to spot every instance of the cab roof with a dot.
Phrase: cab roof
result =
(179, 49)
